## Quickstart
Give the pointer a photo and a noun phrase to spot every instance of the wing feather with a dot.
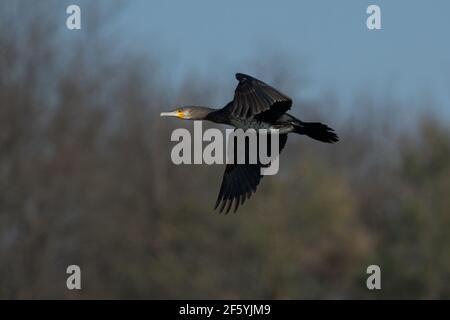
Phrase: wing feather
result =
(239, 182)
(253, 97)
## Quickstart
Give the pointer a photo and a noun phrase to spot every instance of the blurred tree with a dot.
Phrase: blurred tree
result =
(86, 179)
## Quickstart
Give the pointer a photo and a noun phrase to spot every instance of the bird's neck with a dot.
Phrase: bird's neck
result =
(215, 115)
(219, 116)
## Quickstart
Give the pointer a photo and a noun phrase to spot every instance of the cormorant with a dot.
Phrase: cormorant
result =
(259, 106)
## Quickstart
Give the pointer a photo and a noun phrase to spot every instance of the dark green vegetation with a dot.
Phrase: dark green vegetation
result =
(86, 178)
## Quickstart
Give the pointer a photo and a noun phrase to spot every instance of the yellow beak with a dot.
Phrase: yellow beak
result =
(177, 114)
(171, 114)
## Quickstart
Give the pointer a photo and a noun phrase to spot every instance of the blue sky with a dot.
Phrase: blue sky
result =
(324, 40)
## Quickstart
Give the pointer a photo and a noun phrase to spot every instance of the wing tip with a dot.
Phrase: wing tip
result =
(242, 76)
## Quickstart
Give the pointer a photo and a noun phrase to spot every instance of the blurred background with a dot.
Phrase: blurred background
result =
(86, 176)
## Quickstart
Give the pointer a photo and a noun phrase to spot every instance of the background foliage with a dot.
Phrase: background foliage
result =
(86, 178)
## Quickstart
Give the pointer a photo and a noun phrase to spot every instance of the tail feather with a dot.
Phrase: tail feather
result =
(317, 131)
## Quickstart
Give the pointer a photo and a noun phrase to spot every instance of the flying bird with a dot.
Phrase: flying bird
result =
(255, 105)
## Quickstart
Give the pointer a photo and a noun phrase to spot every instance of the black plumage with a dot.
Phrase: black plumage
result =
(255, 105)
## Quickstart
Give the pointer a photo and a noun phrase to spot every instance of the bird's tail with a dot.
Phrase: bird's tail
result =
(316, 130)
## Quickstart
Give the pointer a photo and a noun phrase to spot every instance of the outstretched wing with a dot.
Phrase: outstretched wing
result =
(253, 97)
(240, 181)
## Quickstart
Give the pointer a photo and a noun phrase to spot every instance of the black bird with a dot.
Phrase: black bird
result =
(255, 105)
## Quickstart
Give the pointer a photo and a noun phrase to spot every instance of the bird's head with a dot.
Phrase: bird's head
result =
(188, 113)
